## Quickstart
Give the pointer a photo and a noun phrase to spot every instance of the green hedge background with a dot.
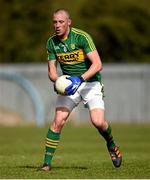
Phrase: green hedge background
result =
(120, 28)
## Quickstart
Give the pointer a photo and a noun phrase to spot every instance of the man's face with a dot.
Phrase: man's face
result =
(61, 24)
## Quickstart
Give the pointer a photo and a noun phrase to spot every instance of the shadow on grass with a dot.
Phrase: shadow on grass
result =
(54, 167)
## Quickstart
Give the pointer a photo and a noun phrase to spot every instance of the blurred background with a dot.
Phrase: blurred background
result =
(121, 32)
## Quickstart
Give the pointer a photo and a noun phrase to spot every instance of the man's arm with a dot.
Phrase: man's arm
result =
(96, 65)
(52, 70)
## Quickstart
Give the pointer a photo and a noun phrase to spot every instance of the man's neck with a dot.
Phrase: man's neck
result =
(64, 37)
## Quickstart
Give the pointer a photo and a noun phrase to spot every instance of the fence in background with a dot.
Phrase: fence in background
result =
(127, 93)
(30, 89)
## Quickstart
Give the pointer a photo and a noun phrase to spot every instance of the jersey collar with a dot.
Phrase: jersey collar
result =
(67, 37)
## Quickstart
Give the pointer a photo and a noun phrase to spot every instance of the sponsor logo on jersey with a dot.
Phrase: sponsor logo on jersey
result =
(71, 57)
(56, 47)
(64, 47)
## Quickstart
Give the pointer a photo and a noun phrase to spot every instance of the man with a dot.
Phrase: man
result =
(76, 53)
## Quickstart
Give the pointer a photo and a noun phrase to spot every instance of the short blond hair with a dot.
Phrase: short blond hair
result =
(62, 10)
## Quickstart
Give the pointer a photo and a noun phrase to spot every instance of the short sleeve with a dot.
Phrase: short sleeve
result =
(50, 50)
(87, 42)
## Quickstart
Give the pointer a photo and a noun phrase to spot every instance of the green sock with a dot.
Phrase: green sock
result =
(51, 143)
(108, 136)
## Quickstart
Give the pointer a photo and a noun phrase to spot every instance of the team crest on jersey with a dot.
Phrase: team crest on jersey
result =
(72, 46)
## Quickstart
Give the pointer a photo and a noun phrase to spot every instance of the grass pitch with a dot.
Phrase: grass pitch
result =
(81, 153)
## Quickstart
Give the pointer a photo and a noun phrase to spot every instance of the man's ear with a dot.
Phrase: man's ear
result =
(69, 22)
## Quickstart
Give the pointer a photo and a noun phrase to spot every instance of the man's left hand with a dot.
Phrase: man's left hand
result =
(76, 82)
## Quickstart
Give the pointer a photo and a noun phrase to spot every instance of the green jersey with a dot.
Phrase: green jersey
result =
(71, 53)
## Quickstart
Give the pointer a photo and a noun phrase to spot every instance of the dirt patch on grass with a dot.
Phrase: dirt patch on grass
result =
(10, 118)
